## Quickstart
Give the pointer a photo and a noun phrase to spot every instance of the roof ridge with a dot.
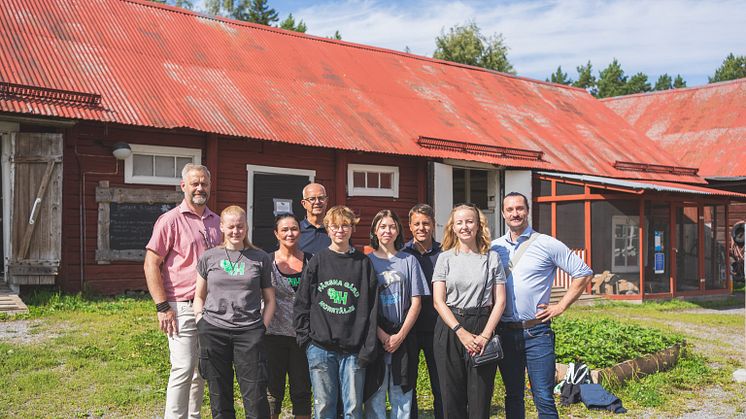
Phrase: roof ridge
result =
(311, 37)
(679, 90)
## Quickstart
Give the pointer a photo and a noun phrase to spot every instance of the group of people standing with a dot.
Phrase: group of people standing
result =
(347, 328)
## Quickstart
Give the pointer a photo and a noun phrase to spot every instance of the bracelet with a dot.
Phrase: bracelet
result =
(484, 337)
(162, 307)
(456, 327)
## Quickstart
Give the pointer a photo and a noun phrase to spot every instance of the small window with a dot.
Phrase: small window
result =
(156, 165)
(368, 180)
(625, 244)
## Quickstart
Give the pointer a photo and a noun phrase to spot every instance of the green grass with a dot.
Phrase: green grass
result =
(106, 357)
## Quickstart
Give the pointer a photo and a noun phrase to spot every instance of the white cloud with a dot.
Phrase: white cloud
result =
(687, 37)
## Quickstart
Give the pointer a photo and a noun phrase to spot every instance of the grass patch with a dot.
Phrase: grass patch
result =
(106, 357)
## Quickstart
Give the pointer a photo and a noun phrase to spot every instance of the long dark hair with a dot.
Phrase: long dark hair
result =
(398, 242)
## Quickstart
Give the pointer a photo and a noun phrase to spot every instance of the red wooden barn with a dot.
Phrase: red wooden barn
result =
(268, 110)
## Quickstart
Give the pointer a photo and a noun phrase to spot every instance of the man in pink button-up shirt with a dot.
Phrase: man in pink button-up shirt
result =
(180, 237)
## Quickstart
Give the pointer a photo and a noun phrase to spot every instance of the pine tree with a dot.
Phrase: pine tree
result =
(289, 24)
(664, 82)
(256, 11)
(679, 82)
(612, 81)
(586, 79)
(465, 44)
(336, 36)
(560, 77)
(733, 67)
(637, 84)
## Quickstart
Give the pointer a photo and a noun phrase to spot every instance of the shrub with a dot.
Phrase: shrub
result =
(604, 342)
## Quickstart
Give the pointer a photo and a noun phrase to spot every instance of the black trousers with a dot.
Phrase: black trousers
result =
(466, 391)
(284, 356)
(220, 350)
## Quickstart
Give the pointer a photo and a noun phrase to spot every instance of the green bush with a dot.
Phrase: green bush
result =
(604, 342)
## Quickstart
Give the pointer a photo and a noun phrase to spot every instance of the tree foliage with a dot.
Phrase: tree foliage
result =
(337, 36)
(612, 81)
(664, 82)
(184, 4)
(638, 83)
(586, 79)
(733, 67)
(679, 82)
(560, 77)
(289, 24)
(257, 11)
(465, 44)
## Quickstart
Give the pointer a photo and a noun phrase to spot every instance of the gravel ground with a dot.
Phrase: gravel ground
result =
(714, 341)
(24, 332)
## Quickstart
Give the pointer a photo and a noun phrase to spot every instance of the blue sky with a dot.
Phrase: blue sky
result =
(656, 36)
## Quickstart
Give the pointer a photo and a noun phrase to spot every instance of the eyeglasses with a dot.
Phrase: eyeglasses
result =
(343, 227)
(314, 199)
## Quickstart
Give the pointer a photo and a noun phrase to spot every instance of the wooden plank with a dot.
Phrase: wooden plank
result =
(26, 241)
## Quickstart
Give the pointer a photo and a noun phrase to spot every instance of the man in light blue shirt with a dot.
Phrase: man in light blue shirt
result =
(525, 326)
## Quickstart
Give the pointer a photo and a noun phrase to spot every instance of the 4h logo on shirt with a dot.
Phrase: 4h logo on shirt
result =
(341, 298)
(232, 269)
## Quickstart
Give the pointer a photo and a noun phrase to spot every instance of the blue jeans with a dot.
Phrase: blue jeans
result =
(401, 403)
(332, 374)
(532, 348)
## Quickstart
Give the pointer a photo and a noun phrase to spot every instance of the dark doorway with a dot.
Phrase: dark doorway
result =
(268, 189)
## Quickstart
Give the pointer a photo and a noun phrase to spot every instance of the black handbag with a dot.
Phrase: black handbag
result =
(493, 352)
(493, 349)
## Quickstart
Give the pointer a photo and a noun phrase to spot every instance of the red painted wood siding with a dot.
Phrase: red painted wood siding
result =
(87, 155)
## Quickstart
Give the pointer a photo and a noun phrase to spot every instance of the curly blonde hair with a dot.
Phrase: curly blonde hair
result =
(340, 214)
(450, 240)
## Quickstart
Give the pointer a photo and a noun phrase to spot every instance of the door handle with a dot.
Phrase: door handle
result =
(32, 217)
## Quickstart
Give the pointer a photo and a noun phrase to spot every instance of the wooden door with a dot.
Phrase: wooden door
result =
(36, 208)
(268, 188)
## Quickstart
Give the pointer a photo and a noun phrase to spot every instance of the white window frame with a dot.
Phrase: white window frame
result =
(626, 221)
(392, 192)
(194, 153)
(251, 170)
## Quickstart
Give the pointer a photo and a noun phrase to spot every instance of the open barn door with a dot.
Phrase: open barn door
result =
(35, 203)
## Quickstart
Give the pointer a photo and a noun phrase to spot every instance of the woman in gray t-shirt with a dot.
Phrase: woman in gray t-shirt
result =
(469, 296)
(234, 279)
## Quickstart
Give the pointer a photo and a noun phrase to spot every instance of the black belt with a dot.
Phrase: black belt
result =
(525, 324)
(471, 311)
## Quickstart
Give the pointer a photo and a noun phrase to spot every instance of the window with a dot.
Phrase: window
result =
(156, 165)
(368, 180)
(625, 244)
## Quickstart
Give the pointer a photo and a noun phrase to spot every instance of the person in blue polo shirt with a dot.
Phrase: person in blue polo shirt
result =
(313, 235)
(525, 326)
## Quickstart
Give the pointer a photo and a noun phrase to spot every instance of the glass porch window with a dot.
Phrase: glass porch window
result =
(615, 245)
(715, 250)
(687, 249)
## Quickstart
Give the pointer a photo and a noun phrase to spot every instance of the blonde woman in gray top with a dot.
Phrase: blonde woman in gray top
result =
(233, 282)
(469, 296)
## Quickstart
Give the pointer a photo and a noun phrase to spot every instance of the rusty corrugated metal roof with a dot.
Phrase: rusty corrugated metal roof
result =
(647, 185)
(701, 126)
(164, 67)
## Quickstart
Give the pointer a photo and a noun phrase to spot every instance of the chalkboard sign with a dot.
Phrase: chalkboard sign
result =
(131, 225)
